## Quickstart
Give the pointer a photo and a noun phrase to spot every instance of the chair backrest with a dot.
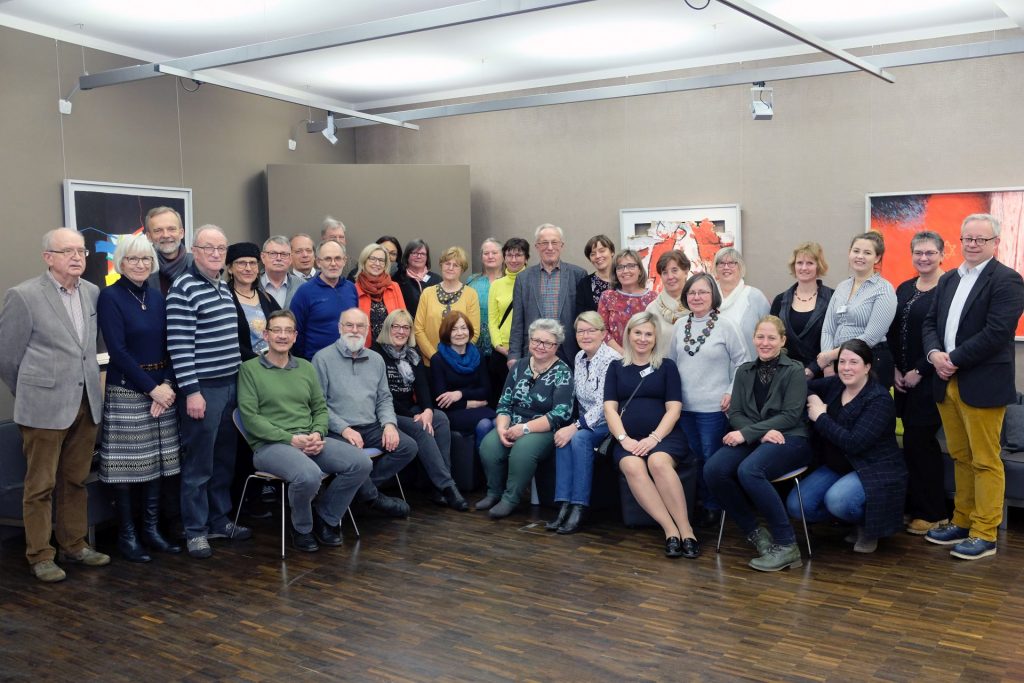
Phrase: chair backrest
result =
(236, 417)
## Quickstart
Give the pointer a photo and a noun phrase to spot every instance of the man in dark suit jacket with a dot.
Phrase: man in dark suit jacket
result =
(547, 290)
(969, 336)
(48, 334)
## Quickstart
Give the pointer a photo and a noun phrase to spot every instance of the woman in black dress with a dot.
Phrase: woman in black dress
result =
(915, 404)
(642, 402)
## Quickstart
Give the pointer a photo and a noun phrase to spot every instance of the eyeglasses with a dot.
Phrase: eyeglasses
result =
(698, 292)
(980, 241)
(209, 249)
(281, 330)
(550, 244)
(929, 254)
(376, 259)
(332, 259)
(418, 253)
(246, 265)
(278, 255)
(401, 328)
(136, 260)
(354, 326)
(627, 266)
(541, 344)
(69, 252)
(727, 264)
(586, 331)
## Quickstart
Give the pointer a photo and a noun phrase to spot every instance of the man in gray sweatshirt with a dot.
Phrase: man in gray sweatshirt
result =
(360, 413)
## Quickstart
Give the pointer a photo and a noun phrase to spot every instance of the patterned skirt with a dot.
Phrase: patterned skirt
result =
(136, 446)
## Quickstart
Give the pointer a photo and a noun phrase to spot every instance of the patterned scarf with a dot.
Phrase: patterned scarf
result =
(407, 358)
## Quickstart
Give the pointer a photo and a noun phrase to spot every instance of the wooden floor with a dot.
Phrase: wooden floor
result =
(446, 596)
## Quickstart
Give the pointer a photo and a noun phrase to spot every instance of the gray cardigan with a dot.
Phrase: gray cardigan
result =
(356, 389)
(783, 408)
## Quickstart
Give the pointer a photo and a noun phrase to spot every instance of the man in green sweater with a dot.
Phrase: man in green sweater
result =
(285, 418)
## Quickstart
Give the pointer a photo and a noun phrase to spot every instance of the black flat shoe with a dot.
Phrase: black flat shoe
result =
(325, 533)
(563, 514)
(572, 524)
(304, 542)
(690, 548)
(673, 547)
(454, 499)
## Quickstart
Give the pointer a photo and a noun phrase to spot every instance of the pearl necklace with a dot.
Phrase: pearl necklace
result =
(702, 337)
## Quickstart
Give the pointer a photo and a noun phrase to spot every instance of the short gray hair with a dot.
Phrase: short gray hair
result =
(992, 220)
(50, 234)
(331, 222)
(548, 226)
(204, 228)
(735, 253)
(277, 239)
(135, 245)
(549, 325)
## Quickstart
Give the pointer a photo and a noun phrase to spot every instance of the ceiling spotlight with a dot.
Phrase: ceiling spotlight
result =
(761, 102)
(329, 130)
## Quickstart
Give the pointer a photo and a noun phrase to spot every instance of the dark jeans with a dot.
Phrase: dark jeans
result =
(208, 458)
(384, 466)
(434, 451)
(741, 475)
(926, 494)
(704, 432)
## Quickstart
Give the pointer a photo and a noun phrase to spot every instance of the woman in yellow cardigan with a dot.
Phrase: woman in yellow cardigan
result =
(516, 253)
(441, 299)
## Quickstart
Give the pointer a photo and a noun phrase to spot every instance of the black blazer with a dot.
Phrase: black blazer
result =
(984, 338)
(806, 345)
(268, 304)
(411, 289)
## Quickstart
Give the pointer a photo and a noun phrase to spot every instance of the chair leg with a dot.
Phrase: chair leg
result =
(284, 494)
(245, 487)
(401, 491)
(721, 530)
(803, 516)
(355, 527)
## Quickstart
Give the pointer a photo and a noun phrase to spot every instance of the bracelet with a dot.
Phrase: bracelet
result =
(654, 436)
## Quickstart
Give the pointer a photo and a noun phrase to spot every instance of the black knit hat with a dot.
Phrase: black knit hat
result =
(242, 250)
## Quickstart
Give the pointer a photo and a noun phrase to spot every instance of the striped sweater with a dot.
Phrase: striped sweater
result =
(202, 330)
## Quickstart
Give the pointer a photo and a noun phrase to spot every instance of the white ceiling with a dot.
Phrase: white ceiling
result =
(572, 44)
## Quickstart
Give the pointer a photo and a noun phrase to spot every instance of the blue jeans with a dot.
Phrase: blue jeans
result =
(208, 460)
(741, 475)
(829, 494)
(574, 465)
(704, 432)
(304, 474)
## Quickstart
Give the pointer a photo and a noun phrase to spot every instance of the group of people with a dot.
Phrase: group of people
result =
(339, 380)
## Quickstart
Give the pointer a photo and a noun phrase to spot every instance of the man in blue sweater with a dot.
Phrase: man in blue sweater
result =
(202, 338)
(319, 303)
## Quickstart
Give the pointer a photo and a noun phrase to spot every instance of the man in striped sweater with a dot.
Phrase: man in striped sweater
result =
(202, 338)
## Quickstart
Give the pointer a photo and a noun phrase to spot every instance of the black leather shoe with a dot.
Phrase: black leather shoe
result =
(390, 506)
(673, 547)
(304, 542)
(708, 519)
(437, 497)
(563, 514)
(691, 548)
(324, 532)
(454, 499)
(572, 524)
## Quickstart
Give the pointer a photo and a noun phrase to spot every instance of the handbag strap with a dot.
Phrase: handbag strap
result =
(623, 411)
(505, 317)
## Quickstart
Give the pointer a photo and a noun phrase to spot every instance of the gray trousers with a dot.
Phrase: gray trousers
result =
(434, 451)
(384, 466)
(304, 474)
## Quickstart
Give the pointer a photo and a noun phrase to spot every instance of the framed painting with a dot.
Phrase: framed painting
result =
(697, 231)
(899, 215)
(104, 211)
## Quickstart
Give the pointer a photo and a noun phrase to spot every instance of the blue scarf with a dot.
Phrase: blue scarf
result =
(464, 364)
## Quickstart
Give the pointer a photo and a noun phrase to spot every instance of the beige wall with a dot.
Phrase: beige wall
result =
(130, 134)
(800, 176)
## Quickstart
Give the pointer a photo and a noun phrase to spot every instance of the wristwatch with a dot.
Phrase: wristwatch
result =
(621, 437)
(526, 429)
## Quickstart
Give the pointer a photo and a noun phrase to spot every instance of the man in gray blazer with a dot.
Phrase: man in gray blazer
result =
(547, 290)
(48, 334)
(277, 280)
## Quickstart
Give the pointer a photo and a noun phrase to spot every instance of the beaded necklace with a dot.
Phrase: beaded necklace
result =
(702, 337)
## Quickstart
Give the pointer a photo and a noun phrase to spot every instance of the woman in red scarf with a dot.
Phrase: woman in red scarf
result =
(378, 293)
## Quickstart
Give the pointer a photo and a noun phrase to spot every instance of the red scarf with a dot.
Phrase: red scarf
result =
(373, 285)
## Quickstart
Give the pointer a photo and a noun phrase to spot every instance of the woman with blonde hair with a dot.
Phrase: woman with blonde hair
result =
(802, 307)
(378, 293)
(441, 299)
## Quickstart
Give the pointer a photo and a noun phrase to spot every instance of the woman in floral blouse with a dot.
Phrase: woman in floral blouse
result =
(627, 296)
(535, 403)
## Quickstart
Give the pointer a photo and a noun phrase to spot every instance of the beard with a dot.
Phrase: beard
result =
(353, 342)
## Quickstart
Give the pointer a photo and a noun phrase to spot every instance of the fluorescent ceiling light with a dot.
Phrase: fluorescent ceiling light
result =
(184, 11)
(396, 71)
(604, 39)
(813, 11)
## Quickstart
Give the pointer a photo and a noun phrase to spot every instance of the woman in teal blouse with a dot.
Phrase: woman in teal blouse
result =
(535, 402)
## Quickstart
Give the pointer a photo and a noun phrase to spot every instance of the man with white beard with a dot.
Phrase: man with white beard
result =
(360, 412)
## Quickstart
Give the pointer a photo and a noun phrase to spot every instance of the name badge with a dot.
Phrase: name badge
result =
(647, 371)
(841, 310)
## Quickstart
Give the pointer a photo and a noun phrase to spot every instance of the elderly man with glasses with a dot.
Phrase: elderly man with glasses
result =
(319, 302)
(48, 334)
(277, 280)
(546, 290)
